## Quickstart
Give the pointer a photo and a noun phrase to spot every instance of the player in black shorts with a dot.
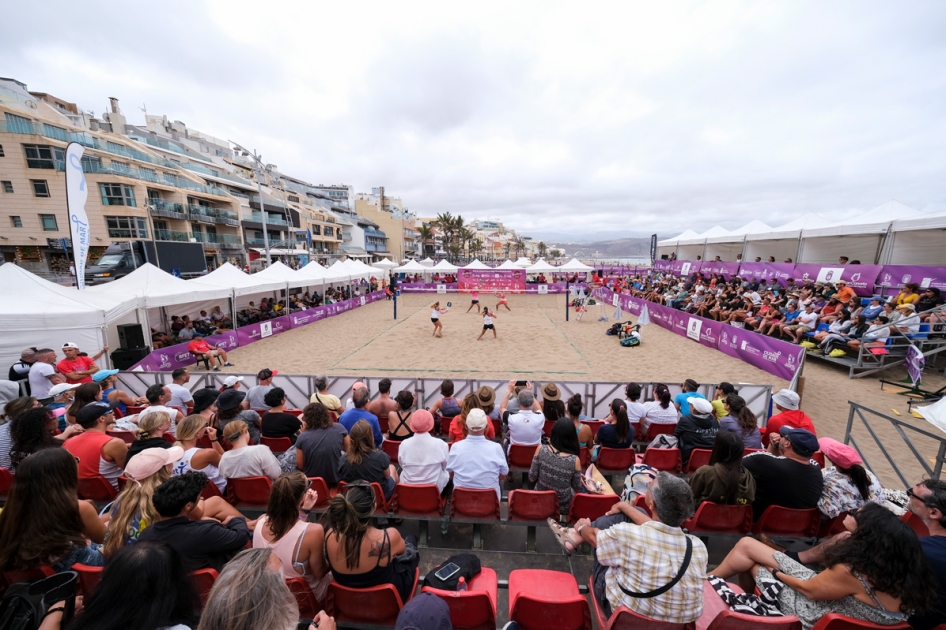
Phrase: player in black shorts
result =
(488, 323)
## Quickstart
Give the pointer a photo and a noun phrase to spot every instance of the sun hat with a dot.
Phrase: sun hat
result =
(840, 454)
(230, 399)
(230, 381)
(422, 421)
(701, 406)
(204, 397)
(69, 344)
(909, 307)
(151, 460)
(476, 420)
(786, 399)
(61, 388)
(101, 375)
(803, 441)
(550, 392)
(486, 395)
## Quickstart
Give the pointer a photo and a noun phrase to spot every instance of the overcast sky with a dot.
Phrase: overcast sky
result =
(580, 118)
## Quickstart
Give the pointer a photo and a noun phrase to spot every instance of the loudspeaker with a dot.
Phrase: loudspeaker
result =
(127, 357)
(131, 336)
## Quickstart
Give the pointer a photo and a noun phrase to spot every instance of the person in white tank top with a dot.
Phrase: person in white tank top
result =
(212, 472)
(488, 316)
(435, 314)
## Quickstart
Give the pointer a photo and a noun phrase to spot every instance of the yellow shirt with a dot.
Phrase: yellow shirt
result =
(332, 403)
(907, 298)
(719, 409)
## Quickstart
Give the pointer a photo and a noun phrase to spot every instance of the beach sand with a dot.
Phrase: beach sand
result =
(535, 342)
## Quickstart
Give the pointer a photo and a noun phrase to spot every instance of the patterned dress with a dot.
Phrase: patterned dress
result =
(552, 472)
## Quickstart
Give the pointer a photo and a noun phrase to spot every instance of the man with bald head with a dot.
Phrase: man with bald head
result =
(20, 371)
(358, 412)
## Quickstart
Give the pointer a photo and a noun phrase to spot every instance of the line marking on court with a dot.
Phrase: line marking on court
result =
(567, 338)
(395, 325)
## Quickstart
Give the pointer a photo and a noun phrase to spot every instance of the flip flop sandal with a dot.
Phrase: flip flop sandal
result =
(561, 535)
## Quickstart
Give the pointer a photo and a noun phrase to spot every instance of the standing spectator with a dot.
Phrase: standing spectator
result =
(256, 396)
(659, 410)
(231, 406)
(99, 455)
(682, 400)
(741, 421)
(20, 371)
(696, 429)
(76, 368)
(847, 484)
(724, 480)
(319, 447)
(786, 402)
(358, 412)
(246, 460)
(476, 462)
(928, 502)
(790, 479)
(423, 458)
(556, 465)
(277, 422)
(323, 397)
(43, 374)
(180, 395)
(363, 462)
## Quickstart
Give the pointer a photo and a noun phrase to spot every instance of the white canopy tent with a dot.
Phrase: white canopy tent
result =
(669, 245)
(156, 288)
(575, 265)
(918, 241)
(384, 264)
(859, 238)
(226, 275)
(523, 262)
(781, 242)
(427, 262)
(445, 267)
(508, 264)
(412, 266)
(476, 264)
(729, 246)
(290, 278)
(541, 266)
(690, 248)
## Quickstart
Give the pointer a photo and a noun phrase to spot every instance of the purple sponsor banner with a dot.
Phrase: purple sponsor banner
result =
(776, 357)
(895, 276)
(663, 265)
(261, 330)
(861, 278)
(226, 340)
(426, 287)
(661, 315)
(753, 271)
(705, 331)
(680, 322)
(685, 267)
(171, 358)
(725, 269)
(307, 316)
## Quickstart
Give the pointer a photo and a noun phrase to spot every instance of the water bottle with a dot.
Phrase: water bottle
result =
(461, 585)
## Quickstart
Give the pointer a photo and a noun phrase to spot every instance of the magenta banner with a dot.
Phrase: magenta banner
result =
(772, 355)
(725, 269)
(307, 316)
(262, 330)
(170, 358)
(663, 265)
(767, 271)
(861, 278)
(685, 267)
(893, 277)
(491, 279)
(680, 322)
(427, 287)
(705, 331)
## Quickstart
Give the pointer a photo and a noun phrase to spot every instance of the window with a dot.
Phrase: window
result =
(293, 198)
(18, 124)
(91, 164)
(49, 222)
(55, 132)
(42, 156)
(328, 231)
(153, 195)
(147, 174)
(7, 187)
(117, 195)
(160, 225)
(1, 150)
(40, 188)
(16, 221)
(316, 230)
(127, 227)
(121, 167)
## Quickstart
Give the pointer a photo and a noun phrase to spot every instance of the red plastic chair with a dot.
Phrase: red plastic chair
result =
(203, 580)
(97, 489)
(615, 460)
(469, 503)
(170, 439)
(276, 445)
(520, 457)
(721, 519)
(249, 492)
(6, 482)
(380, 503)
(669, 459)
(445, 423)
(834, 621)
(378, 605)
(718, 616)
(125, 436)
(475, 608)
(832, 526)
(497, 428)
(594, 425)
(547, 600)
(321, 488)
(309, 607)
(749, 451)
(584, 456)
(131, 410)
(658, 429)
(916, 524)
(533, 505)
(204, 442)
(818, 456)
(547, 428)
(88, 577)
(417, 500)
(296, 412)
(626, 619)
(12, 577)
(698, 457)
(391, 447)
(590, 506)
(210, 491)
(782, 521)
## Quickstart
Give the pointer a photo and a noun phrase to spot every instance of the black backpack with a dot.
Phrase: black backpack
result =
(469, 567)
(25, 604)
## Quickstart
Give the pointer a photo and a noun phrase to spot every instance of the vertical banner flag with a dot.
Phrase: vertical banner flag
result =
(76, 194)
(653, 248)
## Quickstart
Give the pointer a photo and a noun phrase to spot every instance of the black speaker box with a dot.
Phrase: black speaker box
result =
(131, 336)
(127, 357)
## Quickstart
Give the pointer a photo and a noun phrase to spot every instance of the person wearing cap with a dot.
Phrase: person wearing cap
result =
(203, 351)
(788, 477)
(682, 400)
(929, 300)
(99, 454)
(256, 395)
(425, 611)
(358, 412)
(696, 429)
(231, 382)
(527, 425)
(847, 484)
(43, 374)
(78, 369)
(476, 462)
(909, 322)
(845, 294)
(422, 457)
(231, 405)
(928, 502)
(109, 379)
(20, 371)
(62, 395)
(786, 402)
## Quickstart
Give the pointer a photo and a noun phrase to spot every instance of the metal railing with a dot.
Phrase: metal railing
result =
(161, 208)
(172, 235)
(270, 219)
(273, 243)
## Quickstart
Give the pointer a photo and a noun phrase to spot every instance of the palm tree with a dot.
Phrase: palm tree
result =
(543, 249)
(464, 236)
(475, 246)
(555, 254)
(426, 236)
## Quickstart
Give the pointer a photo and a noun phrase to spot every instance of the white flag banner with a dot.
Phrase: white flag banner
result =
(644, 318)
(77, 192)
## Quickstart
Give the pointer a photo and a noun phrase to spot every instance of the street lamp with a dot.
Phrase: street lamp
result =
(258, 168)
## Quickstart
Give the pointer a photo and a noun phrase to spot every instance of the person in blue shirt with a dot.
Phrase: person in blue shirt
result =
(874, 309)
(682, 400)
(350, 417)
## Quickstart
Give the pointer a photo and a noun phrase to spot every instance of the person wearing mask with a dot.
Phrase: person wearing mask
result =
(724, 480)
(847, 484)
(696, 429)
(422, 457)
(245, 459)
(320, 445)
(556, 465)
(682, 400)
(786, 402)
(740, 420)
(659, 410)
(787, 476)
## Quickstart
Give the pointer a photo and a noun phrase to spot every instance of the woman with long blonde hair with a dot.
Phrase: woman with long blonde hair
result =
(204, 460)
(150, 433)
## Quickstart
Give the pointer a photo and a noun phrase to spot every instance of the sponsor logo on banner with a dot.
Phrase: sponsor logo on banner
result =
(615, 299)
(77, 193)
(165, 363)
(693, 329)
(685, 269)
(363, 300)
(543, 289)
(265, 329)
(441, 288)
(829, 274)
(906, 278)
(926, 283)
(182, 357)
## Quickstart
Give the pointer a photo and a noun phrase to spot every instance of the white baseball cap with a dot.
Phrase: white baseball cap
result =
(69, 344)
(230, 381)
(61, 388)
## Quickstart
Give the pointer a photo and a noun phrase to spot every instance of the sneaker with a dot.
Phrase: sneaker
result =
(216, 369)
(837, 353)
(228, 364)
(511, 625)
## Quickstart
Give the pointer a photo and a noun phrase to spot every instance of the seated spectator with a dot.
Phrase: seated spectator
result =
(203, 543)
(108, 379)
(556, 465)
(219, 318)
(574, 409)
(928, 502)
(724, 480)
(458, 430)
(321, 396)
(158, 396)
(149, 434)
(203, 351)
(361, 555)
(527, 426)
(231, 406)
(358, 412)
(62, 394)
(205, 404)
(245, 459)
(256, 395)
(552, 399)
(181, 397)
(363, 462)
(877, 574)
(233, 382)
(659, 410)
(832, 341)
(616, 432)
(636, 555)
(99, 454)
(177, 324)
(203, 460)
(427, 611)
(930, 299)
(866, 332)
(277, 422)
(476, 462)
(740, 420)
(32, 431)
(682, 400)
(909, 294)
(43, 520)
(786, 402)
(634, 408)
(188, 332)
(873, 309)
(350, 403)
(319, 447)
(847, 484)
(422, 457)
(160, 339)
(144, 587)
(383, 405)
(84, 394)
(486, 400)
(909, 322)
(400, 419)
(299, 545)
(789, 478)
(12, 409)
(697, 429)
(806, 322)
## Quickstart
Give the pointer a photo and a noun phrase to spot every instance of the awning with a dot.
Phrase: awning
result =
(281, 252)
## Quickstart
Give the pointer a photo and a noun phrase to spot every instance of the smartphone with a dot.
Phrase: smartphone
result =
(447, 571)
(521, 383)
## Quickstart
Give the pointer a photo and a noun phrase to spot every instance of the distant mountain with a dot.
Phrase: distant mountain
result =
(582, 239)
(613, 248)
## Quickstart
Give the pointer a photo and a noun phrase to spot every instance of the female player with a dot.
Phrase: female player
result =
(502, 301)
(475, 295)
(487, 323)
(435, 318)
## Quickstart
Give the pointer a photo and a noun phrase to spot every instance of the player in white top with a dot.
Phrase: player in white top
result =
(435, 318)
(488, 316)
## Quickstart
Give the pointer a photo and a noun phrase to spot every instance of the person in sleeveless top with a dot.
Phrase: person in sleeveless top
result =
(435, 314)
(400, 419)
(360, 555)
(203, 460)
(363, 462)
(447, 406)
(297, 543)
(99, 454)
(488, 316)
(877, 573)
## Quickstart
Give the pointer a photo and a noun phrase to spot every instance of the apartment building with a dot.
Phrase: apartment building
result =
(394, 220)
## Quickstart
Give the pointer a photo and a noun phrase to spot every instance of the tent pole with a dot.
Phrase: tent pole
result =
(108, 362)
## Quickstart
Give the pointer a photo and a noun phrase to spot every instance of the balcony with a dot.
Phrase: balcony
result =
(223, 241)
(198, 168)
(273, 243)
(207, 214)
(256, 217)
(161, 208)
(146, 175)
(172, 235)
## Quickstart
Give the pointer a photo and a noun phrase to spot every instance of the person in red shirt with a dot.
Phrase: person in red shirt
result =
(76, 369)
(204, 351)
(786, 401)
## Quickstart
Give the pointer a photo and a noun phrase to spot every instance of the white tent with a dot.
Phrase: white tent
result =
(541, 266)
(476, 264)
(358, 269)
(445, 267)
(157, 288)
(427, 262)
(919, 241)
(384, 264)
(39, 313)
(226, 275)
(575, 265)
(313, 266)
(781, 242)
(669, 245)
(691, 247)
(859, 238)
(729, 246)
(278, 272)
(412, 266)
(523, 262)
(508, 264)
